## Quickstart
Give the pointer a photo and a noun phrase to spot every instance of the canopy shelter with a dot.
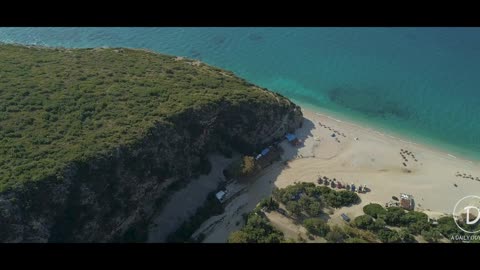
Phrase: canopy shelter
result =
(290, 137)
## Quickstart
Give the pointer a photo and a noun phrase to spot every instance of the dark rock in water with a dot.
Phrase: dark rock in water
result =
(368, 102)
(255, 37)
(195, 54)
(218, 40)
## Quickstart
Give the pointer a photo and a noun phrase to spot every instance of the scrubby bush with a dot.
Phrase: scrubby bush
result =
(311, 199)
(316, 226)
(354, 232)
(374, 209)
(447, 227)
(417, 227)
(238, 237)
(341, 198)
(363, 222)
(389, 236)
(336, 235)
(432, 236)
(314, 209)
(256, 230)
(355, 240)
(248, 166)
(394, 216)
(406, 237)
(294, 208)
(269, 203)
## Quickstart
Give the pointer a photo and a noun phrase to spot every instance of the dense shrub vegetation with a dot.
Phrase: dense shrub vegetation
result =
(269, 204)
(242, 167)
(377, 218)
(305, 201)
(311, 199)
(316, 226)
(375, 210)
(58, 106)
(256, 230)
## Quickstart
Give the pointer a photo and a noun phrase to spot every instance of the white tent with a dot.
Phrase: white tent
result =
(220, 195)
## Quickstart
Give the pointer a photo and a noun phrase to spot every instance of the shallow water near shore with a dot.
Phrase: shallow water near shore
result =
(420, 83)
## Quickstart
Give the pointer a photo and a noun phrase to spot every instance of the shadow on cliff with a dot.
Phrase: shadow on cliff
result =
(262, 185)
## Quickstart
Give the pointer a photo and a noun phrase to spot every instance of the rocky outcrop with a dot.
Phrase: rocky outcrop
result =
(99, 200)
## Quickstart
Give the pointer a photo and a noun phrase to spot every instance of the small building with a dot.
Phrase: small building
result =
(407, 202)
(292, 139)
(221, 195)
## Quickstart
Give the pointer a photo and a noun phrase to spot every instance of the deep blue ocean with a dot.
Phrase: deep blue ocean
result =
(420, 83)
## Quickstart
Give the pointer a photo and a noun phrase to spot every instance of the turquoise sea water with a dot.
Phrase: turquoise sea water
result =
(420, 83)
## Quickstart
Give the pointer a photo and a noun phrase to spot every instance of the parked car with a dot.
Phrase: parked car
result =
(345, 217)
(281, 211)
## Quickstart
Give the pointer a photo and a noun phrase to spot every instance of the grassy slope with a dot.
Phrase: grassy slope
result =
(59, 105)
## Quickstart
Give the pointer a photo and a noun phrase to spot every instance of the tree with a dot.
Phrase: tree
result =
(304, 202)
(248, 166)
(447, 227)
(389, 236)
(238, 237)
(432, 236)
(314, 209)
(394, 216)
(341, 198)
(374, 210)
(378, 224)
(316, 226)
(257, 230)
(413, 217)
(294, 208)
(356, 240)
(416, 228)
(323, 190)
(277, 194)
(363, 222)
(269, 203)
(406, 237)
(354, 232)
(313, 192)
(336, 235)
(348, 197)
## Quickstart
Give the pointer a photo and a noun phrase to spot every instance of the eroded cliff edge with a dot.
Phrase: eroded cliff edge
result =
(97, 199)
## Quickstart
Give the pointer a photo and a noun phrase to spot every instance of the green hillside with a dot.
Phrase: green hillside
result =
(64, 105)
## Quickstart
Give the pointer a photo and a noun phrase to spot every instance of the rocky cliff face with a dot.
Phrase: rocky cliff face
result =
(100, 199)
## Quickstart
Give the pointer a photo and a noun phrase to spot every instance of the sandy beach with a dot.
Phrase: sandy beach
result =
(386, 164)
